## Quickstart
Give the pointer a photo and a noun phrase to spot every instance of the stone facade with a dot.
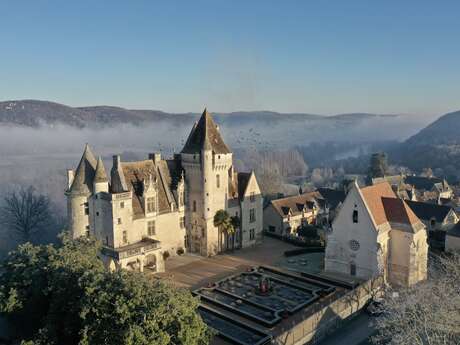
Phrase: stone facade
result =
(376, 233)
(156, 208)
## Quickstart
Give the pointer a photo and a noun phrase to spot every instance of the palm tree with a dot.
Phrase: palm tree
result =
(235, 222)
(222, 222)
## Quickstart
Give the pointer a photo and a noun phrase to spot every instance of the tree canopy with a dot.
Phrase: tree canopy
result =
(63, 295)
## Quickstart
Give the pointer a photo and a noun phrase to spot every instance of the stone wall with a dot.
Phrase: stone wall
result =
(314, 326)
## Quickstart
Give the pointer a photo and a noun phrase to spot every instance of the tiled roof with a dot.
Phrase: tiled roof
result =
(385, 207)
(373, 197)
(291, 203)
(427, 211)
(397, 211)
(205, 135)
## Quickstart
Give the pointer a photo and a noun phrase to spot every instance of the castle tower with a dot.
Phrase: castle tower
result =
(80, 188)
(206, 160)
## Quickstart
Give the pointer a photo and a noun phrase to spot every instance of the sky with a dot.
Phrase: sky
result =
(320, 57)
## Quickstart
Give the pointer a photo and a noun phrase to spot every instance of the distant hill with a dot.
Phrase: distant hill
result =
(244, 129)
(436, 146)
(443, 131)
(34, 113)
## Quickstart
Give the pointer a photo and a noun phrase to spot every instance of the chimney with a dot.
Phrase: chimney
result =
(70, 177)
(116, 161)
(156, 157)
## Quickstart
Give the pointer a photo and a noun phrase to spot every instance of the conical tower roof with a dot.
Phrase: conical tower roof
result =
(84, 175)
(100, 175)
(205, 136)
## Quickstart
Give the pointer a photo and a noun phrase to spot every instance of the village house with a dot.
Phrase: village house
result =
(284, 216)
(155, 208)
(435, 217)
(419, 188)
(376, 233)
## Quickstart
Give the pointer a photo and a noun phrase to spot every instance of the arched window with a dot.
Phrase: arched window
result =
(218, 181)
(194, 205)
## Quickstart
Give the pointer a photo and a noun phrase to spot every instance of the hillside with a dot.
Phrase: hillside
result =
(436, 146)
(443, 131)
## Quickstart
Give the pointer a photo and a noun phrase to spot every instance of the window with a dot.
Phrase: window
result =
(151, 207)
(151, 228)
(271, 228)
(122, 204)
(194, 205)
(352, 269)
(97, 213)
(87, 231)
(125, 236)
(355, 216)
(252, 215)
(119, 220)
(252, 197)
(252, 234)
(106, 240)
(182, 222)
(218, 181)
(86, 208)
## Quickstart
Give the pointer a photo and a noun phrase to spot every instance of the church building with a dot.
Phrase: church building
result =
(376, 233)
(155, 208)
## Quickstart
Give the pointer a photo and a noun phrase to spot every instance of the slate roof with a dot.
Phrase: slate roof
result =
(100, 174)
(428, 211)
(136, 172)
(237, 187)
(454, 231)
(385, 207)
(295, 203)
(205, 135)
(422, 183)
(84, 175)
(333, 196)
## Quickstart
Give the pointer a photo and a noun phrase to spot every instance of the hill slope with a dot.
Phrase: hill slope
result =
(436, 146)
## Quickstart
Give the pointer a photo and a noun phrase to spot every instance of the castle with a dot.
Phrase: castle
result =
(155, 208)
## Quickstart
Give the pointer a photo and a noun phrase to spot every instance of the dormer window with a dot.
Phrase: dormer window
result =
(355, 216)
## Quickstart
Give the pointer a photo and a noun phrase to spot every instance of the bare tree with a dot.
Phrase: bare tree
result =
(426, 314)
(25, 213)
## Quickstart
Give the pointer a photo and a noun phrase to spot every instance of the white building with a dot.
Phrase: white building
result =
(377, 233)
(159, 207)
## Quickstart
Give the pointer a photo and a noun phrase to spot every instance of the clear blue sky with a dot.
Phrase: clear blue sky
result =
(290, 56)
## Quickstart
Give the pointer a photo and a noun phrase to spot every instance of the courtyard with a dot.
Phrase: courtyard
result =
(259, 295)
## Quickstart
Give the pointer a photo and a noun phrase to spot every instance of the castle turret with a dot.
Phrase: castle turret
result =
(80, 189)
(100, 183)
